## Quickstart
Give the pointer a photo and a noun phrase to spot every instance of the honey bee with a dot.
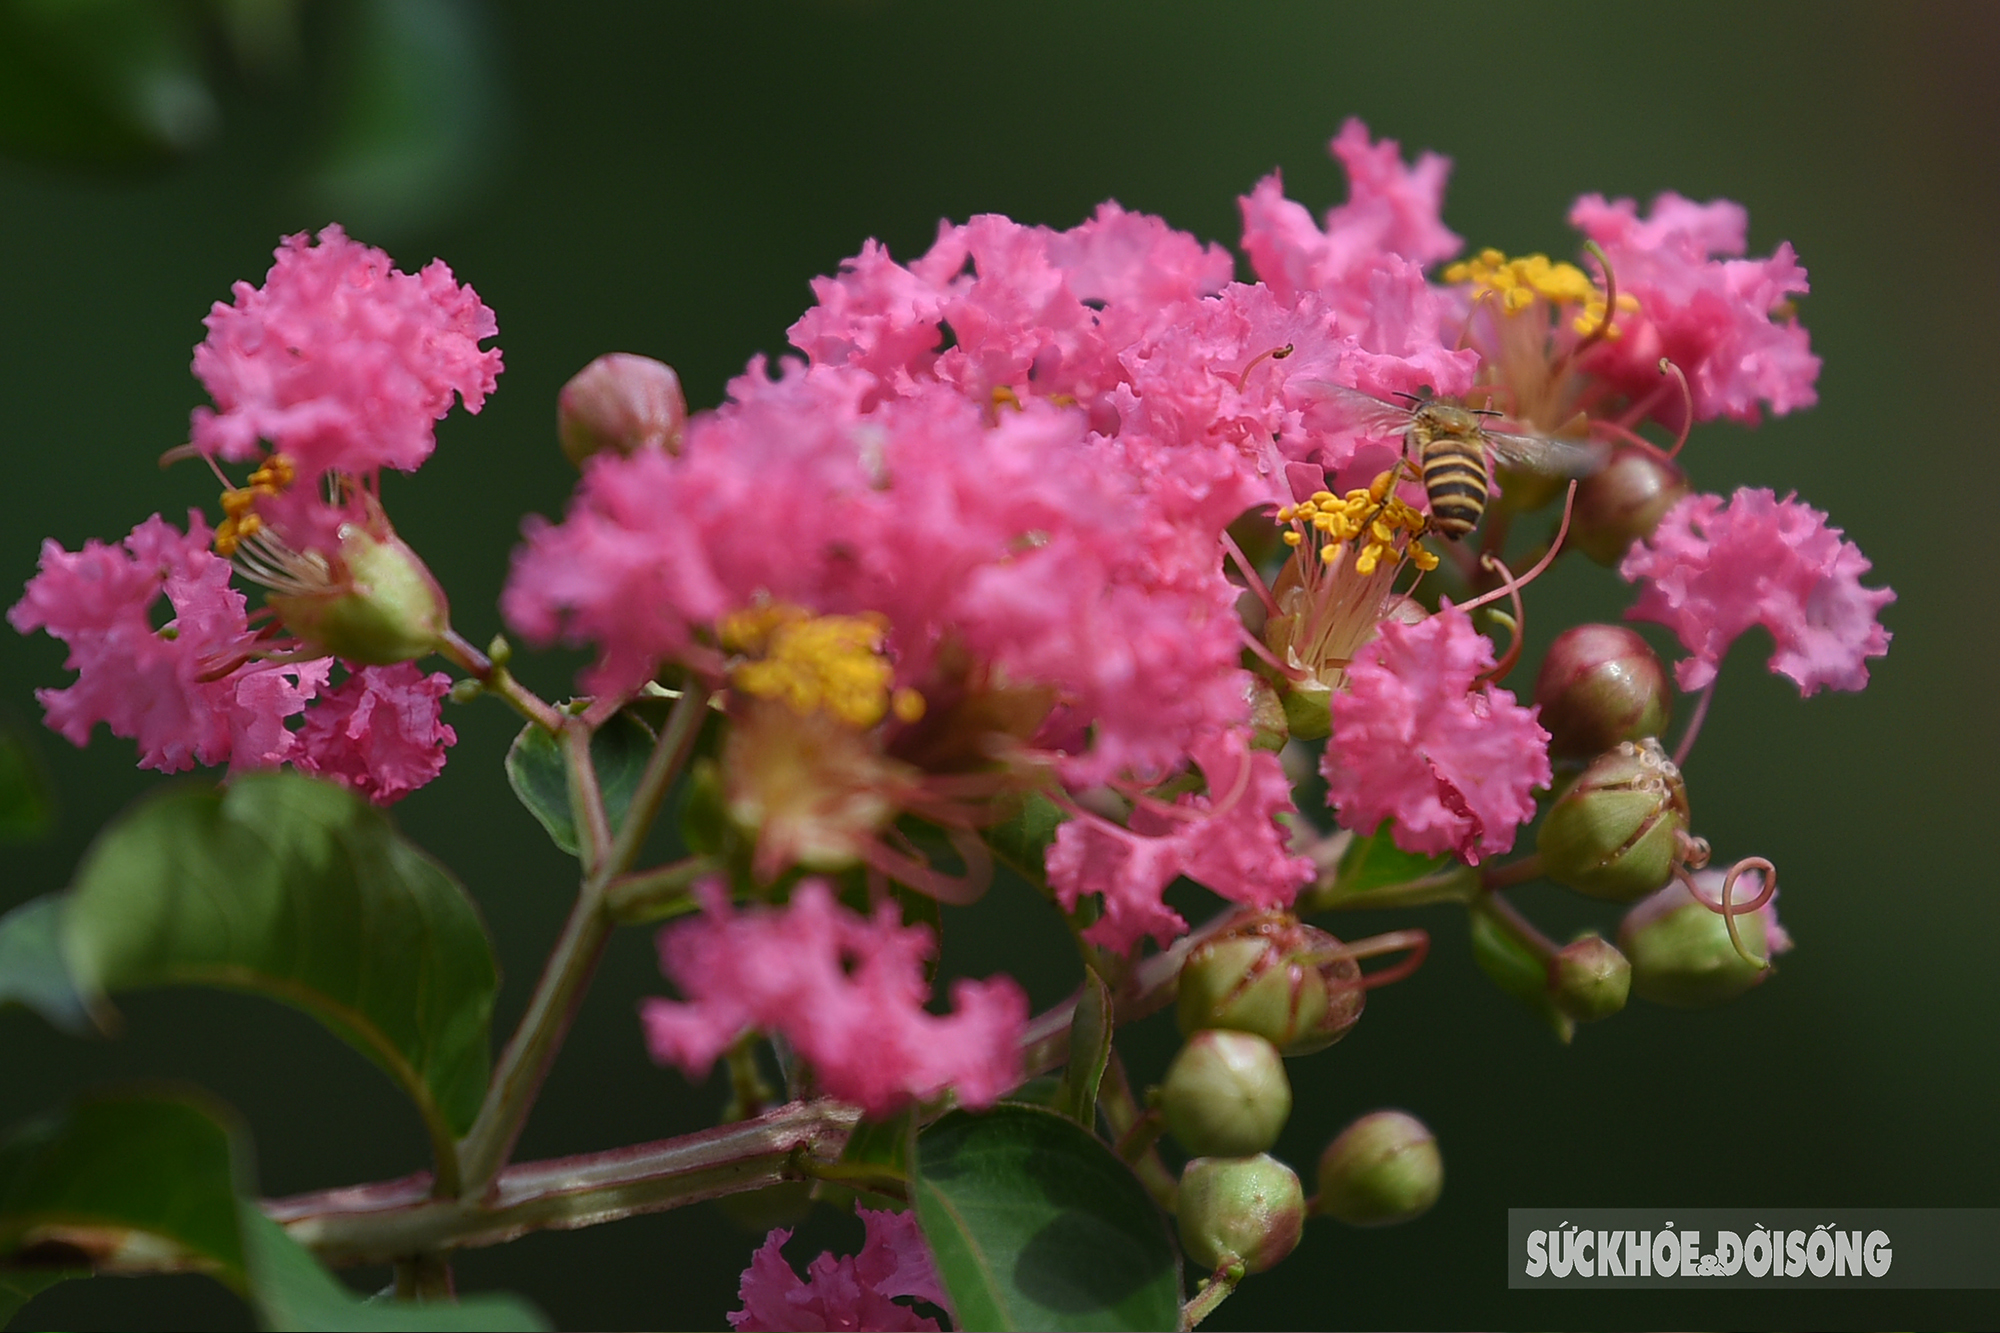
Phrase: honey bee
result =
(1453, 450)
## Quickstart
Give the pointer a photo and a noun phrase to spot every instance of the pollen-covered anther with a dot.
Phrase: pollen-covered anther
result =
(1519, 282)
(812, 664)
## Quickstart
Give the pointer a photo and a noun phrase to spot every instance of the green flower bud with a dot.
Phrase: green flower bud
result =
(1599, 685)
(623, 403)
(1616, 833)
(1624, 502)
(1680, 950)
(1589, 979)
(1383, 1168)
(379, 605)
(1268, 973)
(1246, 1210)
(1307, 710)
(1226, 1094)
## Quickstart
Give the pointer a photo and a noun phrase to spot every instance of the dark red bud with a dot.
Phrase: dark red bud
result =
(1624, 502)
(1599, 685)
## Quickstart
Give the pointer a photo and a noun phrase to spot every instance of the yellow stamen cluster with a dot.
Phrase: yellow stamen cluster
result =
(239, 507)
(1520, 282)
(1372, 520)
(831, 664)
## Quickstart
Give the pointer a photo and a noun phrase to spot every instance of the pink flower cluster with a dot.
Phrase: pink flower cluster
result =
(342, 364)
(1414, 742)
(847, 991)
(1713, 569)
(339, 361)
(847, 1292)
(1726, 322)
(196, 691)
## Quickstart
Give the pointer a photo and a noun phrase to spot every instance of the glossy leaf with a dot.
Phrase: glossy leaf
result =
(292, 1291)
(294, 889)
(155, 1178)
(18, 1286)
(1036, 1224)
(536, 771)
(118, 1176)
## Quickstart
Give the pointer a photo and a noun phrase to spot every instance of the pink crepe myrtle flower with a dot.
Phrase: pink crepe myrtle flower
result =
(1011, 538)
(1229, 840)
(1392, 212)
(339, 361)
(843, 1292)
(1413, 742)
(1712, 569)
(378, 733)
(189, 692)
(1029, 311)
(1727, 322)
(847, 991)
(201, 688)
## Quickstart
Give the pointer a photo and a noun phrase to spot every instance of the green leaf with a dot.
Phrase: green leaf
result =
(1036, 1224)
(292, 1291)
(540, 777)
(1516, 968)
(294, 889)
(1375, 872)
(27, 807)
(18, 1286)
(1023, 841)
(32, 971)
(125, 1176)
(1089, 1050)
(158, 1179)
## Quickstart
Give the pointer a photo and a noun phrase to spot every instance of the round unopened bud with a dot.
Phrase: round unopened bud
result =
(1383, 1168)
(1226, 1094)
(1589, 979)
(1624, 502)
(623, 403)
(1680, 950)
(1246, 1210)
(1617, 832)
(1599, 685)
(381, 606)
(1268, 973)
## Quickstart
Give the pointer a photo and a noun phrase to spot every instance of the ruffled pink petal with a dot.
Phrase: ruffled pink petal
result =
(1726, 322)
(847, 992)
(841, 1292)
(1391, 214)
(379, 733)
(188, 692)
(1230, 840)
(340, 361)
(1414, 743)
(1712, 570)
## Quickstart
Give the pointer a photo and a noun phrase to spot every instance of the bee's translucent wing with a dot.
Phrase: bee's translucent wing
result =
(1337, 407)
(1539, 453)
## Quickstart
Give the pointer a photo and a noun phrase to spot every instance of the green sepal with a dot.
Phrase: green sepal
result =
(1022, 842)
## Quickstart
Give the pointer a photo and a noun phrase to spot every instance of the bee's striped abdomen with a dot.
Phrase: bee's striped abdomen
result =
(1457, 482)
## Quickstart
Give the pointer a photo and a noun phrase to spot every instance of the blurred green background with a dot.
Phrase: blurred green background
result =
(665, 178)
